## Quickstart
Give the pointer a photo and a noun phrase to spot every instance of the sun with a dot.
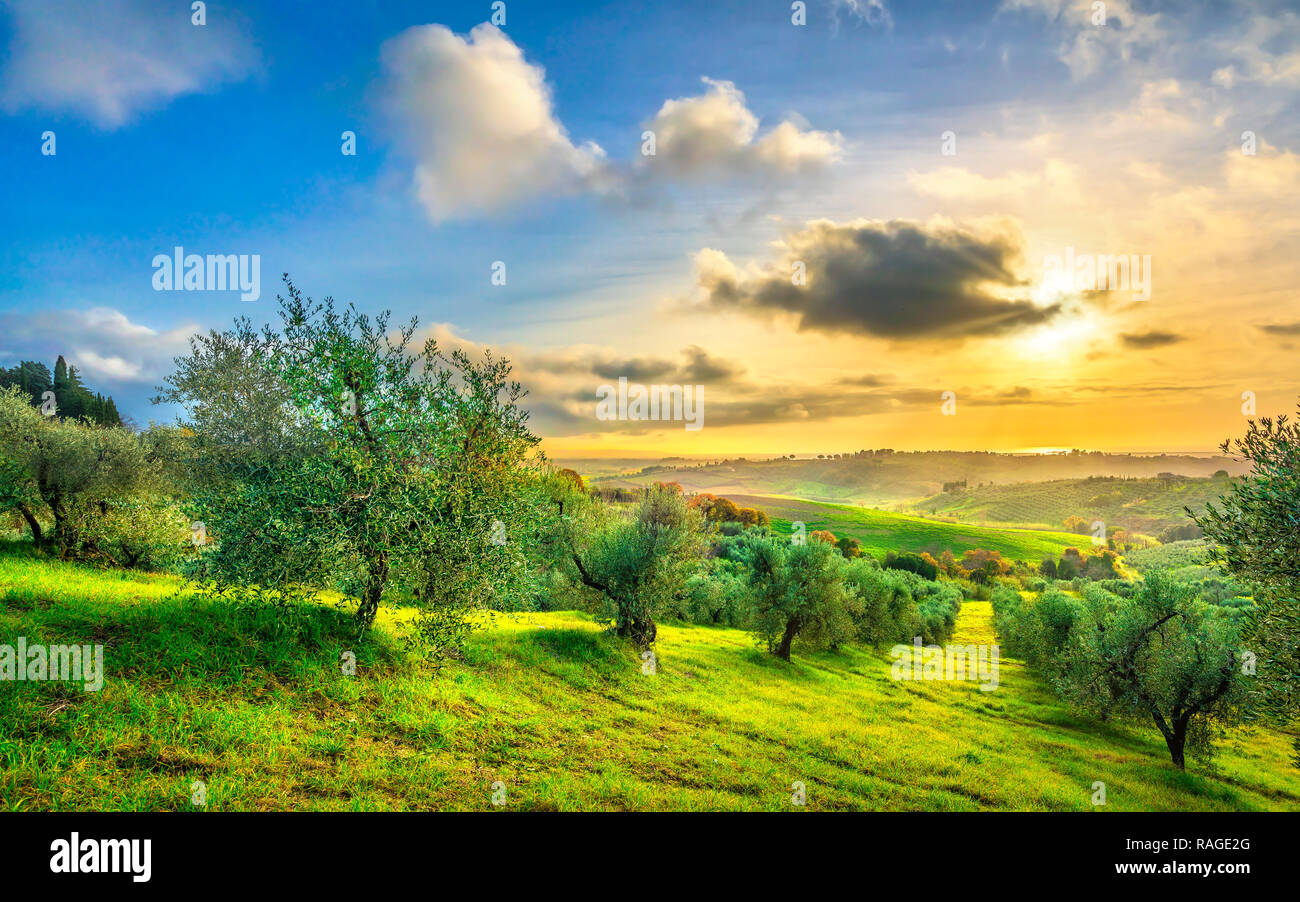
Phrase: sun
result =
(1059, 339)
(1055, 285)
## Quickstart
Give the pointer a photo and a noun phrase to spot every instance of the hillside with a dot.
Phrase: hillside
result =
(881, 531)
(1140, 505)
(887, 477)
(554, 709)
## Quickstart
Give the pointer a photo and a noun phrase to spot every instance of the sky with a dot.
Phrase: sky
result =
(851, 223)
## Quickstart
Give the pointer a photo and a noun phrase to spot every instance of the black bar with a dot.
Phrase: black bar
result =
(528, 851)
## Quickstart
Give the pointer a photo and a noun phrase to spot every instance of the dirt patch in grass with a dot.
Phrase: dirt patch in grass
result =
(165, 760)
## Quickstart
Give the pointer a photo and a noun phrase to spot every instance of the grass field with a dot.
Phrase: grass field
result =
(881, 531)
(1143, 505)
(551, 707)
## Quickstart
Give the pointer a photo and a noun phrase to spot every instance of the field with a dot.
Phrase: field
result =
(1142, 505)
(881, 531)
(553, 709)
(887, 478)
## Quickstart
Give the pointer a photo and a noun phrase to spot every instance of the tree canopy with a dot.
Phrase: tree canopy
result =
(72, 399)
(330, 452)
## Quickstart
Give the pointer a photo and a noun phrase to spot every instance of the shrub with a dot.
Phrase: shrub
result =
(897, 605)
(849, 546)
(921, 564)
(1036, 630)
(720, 596)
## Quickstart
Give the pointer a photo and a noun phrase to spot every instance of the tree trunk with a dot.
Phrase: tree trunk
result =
(33, 524)
(1175, 742)
(1175, 739)
(783, 648)
(369, 606)
(640, 630)
(63, 538)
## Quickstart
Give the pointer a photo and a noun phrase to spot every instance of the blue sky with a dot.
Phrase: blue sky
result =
(225, 138)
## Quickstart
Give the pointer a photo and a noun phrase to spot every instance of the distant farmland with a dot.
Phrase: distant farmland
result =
(1143, 505)
(885, 479)
(881, 531)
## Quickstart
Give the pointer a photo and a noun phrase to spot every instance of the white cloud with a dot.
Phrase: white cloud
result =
(715, 132)
(109, 62)
(873, 12)
(1163, 105)
(478, 119)
(1270, 172)
(1058, 180)
(113, 367)
(102, 343)
(1259, 64)
(1091, 36)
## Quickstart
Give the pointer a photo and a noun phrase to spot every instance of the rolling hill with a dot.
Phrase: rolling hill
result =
(882, 531)
(887, 477)
(1141, 505)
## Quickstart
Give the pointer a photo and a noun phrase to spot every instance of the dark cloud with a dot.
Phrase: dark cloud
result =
(1141, 390)
(897, 279)
(1152, 339)
(562, 391)
(869, 380)
(1280, 328)
(701, 367)
(752, 404)
(696, 366)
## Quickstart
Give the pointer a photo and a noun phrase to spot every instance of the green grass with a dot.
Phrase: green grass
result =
(882, 531)
(552, 706)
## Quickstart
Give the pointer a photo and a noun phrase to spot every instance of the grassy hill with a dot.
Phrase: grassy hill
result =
(552, 707)
(886, 477)
(882, 531)
(1143, 505)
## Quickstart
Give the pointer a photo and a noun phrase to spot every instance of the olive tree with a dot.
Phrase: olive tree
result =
(103, 490)
(800, 591)
(637, 561)
(1162, 656)
(329, 452)
(1254, 533)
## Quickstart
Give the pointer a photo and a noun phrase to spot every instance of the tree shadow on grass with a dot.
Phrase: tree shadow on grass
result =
(193, 637)
(795, 669)
(582, 658)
